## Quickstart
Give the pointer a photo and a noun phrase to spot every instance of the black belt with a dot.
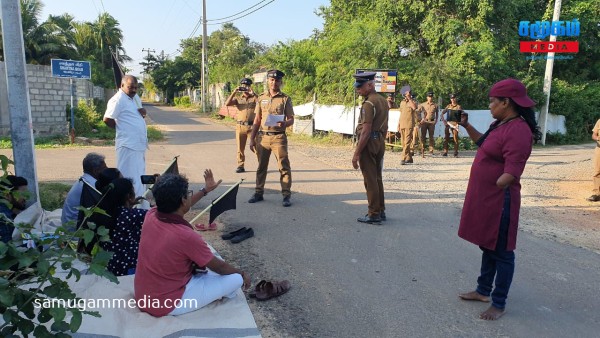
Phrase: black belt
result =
(244, 123)
(271, 133)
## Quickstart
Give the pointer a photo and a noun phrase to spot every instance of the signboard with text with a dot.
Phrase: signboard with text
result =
(71, 69)
(385, 79)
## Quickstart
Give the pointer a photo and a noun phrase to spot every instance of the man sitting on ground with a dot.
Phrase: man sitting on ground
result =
(14, 189)
(93, 164)
(170, 251)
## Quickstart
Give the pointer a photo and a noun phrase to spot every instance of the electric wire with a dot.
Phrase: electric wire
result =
(247, 9)
(232, 20)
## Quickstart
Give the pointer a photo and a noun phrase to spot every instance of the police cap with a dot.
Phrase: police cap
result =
(362, 78)
(429, 93)
(246, 81)
(276, 74)
(453, 96)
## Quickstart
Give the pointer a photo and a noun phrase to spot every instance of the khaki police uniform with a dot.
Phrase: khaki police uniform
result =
(596, 175)
(245, 118)
(454, 130)
(374, 110)
(429, 114)
(406, 125)
(273, 139)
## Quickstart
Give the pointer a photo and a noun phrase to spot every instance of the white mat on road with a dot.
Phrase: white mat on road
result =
(227, 318)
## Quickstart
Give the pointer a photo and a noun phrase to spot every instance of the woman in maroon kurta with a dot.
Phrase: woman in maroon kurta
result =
(490, 214)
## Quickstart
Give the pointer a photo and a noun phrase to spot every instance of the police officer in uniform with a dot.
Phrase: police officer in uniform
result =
(406, 124)
(451, 125)
(273, 114)
(245, 104)
(368, 155)
(429, 115)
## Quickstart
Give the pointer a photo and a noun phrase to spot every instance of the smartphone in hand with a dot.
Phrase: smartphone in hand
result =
(148, 179)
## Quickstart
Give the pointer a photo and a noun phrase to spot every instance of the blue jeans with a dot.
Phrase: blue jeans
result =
(498, 263)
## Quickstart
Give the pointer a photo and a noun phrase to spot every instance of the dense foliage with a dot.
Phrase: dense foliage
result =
(62, 37)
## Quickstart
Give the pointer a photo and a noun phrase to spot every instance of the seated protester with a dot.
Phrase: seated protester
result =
(125, 226)
(106, 176)
(13, 191)
(170, 250)
(93, 164)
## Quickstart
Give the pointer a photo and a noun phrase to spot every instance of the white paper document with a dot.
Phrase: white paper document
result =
(273, 119)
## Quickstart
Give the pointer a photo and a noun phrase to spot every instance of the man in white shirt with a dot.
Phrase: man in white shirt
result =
(131, 142)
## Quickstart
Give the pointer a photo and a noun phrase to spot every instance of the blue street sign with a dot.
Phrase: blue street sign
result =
(71, 69)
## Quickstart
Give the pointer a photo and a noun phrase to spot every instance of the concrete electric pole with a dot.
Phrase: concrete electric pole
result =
(203, 76)
(548, 78)
(21, 128)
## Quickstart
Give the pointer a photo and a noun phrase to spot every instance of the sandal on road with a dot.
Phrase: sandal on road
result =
(210, 227)
(257, 287)
(268, 290)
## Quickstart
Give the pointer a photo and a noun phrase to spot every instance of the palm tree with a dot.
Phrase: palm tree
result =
(108, 34)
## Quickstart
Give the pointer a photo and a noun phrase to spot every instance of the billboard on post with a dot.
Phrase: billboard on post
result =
(385, 79)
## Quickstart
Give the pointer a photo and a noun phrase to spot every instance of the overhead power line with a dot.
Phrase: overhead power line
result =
(222, 22)
(247, 9)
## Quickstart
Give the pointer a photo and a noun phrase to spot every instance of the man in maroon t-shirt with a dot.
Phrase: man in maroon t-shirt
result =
(166, 282)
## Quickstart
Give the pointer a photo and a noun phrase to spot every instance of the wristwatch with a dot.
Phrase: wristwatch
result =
(204, 191)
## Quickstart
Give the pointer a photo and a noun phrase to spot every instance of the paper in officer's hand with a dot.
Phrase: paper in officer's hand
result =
(273, 119)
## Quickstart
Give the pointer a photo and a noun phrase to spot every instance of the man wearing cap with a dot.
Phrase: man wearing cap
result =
(406, 124)
(429, 115)
(273, 114)
(370, 148)
(245, 105)
(451, 123)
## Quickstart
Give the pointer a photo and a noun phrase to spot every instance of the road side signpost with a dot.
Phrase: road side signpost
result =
(71, 69)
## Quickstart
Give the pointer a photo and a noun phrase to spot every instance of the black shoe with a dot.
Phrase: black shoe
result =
(286, 201)
(243, 236)
(455, 154)
(593, 198)
(370, 220)
(383, 216)
(402, 162)
(256, 198)
(445, 154)
(240, 170)
(232, 234)
(409, 161)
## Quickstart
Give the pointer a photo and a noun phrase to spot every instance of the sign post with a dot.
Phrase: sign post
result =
(71, 69)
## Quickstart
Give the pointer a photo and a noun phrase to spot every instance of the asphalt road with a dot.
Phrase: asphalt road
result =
(353, 280)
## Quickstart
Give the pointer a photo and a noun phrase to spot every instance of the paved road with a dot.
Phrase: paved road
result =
(352, 280)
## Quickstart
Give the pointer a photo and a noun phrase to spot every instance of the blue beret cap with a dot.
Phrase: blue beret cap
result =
(362, 78)
(274, 73)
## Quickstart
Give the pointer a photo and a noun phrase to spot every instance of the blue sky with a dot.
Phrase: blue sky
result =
(160, 24)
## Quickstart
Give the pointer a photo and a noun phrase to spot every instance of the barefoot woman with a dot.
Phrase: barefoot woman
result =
(490, 213)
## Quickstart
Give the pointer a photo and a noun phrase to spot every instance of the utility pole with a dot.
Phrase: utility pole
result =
(203, 77)
(548, 77)
(149, 51)
(21, 129)
(148, 59)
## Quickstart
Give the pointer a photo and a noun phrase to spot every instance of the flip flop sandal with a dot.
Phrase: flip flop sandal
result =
(272, 289)
(210, 227)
